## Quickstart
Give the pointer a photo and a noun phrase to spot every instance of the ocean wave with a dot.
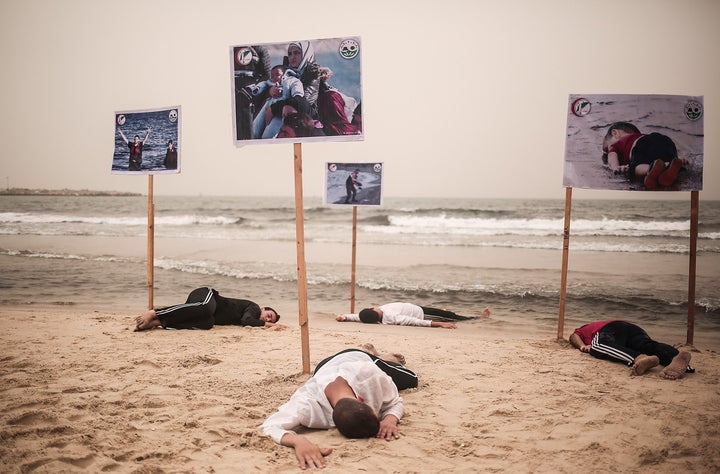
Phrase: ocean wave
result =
(180, 220)
(62, 256)
(538, 288)
(443, 224)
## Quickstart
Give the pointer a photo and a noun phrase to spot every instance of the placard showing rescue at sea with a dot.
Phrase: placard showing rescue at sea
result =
(353, 184)
(297, 91)
(147, 141)
(634, 142)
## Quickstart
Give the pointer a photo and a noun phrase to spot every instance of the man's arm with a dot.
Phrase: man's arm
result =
(307, 453)
(578, 343)
(440, 324)
(348, 317)
(147, 134)
(123, 136)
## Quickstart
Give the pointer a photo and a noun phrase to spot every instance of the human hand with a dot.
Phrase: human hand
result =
(310, 454)
(585, 348)
(275, 92)
(620, 169)
(340, 317)
(325, 73)
(388, 428)
(448, 325)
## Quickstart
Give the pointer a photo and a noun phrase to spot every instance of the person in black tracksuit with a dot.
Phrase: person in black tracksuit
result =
(205, 308)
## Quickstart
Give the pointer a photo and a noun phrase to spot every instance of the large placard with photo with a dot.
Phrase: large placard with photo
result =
(147, 141)
(634, 142)
(353, 184)
(297, 91)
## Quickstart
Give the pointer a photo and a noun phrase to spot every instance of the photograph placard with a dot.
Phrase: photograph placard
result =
(147, 141)
(297, 91)
(634, 142)
(353, 184)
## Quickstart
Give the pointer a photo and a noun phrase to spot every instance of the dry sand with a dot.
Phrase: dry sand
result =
(81, 392)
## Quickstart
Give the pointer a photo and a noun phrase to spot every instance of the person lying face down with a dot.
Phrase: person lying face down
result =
(203, 309)
(625, 342)
(407, 314)
(353, 390)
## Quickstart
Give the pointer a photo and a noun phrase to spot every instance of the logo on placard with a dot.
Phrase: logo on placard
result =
(581, 107)
(120, 119)
(693, 110)
(377, 167)
(349, 48)
(332, 167)
(173, 115)
(243, 56)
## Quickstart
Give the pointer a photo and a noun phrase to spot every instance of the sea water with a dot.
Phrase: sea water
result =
(628, 259)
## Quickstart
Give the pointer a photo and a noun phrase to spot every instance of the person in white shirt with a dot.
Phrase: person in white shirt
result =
(353, 390)
(406, 314)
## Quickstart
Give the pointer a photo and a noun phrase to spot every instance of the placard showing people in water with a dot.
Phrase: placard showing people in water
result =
(634, 142)
(353, 184)
(147, 141)
(297, 91)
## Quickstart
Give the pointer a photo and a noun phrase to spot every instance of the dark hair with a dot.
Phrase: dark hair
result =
(355, 419)
(302, 124)
(625, 127)
(370, 316)
(277, 315)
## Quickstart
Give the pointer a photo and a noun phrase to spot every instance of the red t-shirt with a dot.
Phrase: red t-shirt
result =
(623, 147)
(588, 331)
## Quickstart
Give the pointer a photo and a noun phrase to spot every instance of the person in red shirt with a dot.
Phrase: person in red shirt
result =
(628, 343)
(651, 159)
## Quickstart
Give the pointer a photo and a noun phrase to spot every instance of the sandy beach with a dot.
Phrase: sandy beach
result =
(82, 392)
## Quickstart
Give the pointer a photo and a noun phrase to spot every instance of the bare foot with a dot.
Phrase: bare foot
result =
(393, 357)
(367, 347)
(485, 313)
(643, 363)
(399, 358)
(676, 369)
(147, 320)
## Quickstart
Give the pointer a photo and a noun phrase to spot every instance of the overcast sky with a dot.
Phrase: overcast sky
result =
(461, 98)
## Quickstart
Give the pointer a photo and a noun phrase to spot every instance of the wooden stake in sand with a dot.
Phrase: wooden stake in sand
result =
(694, 211)
(354, 253)
(301, 268)
(566, 251)
(150, 243)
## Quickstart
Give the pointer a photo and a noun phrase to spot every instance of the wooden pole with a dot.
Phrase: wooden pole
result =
(566, 252)
(354, 253)
(150, 243)
(694, 211)
(301, 269)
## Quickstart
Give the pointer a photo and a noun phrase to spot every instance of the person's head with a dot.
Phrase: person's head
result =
(369, 316)
(269, 315)
(355, 419)
(276, 73)
(170, 143)
(295, 54)
(616, 131)
(136, 139)
(299, 54)
(296, 125)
